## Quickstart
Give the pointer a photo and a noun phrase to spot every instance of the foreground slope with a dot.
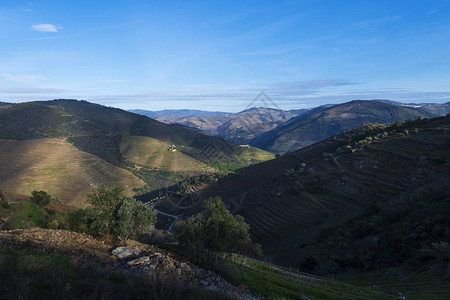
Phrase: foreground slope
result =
(48, 264)
(323, 122)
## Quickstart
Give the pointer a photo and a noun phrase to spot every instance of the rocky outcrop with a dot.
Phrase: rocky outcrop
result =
(166, 268)
(129, 256)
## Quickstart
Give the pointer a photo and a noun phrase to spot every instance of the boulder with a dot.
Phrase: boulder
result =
(126, 252)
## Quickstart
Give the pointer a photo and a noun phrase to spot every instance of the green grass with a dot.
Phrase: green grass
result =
(264, 280)
(416, 286)
(26, 214)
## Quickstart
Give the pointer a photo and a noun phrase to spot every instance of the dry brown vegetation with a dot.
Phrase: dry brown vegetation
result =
(58, 168)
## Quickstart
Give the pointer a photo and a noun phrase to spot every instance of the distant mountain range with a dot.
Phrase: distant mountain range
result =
(177, 113)
(280, 131)
(323, 122)
(240, 127)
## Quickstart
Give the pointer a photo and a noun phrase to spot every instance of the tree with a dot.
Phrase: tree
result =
(77, 220)
(112, 212)
(41, 198)
(3, 201)
(214, 231)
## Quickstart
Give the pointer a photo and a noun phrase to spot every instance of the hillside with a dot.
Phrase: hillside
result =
(240, 127)
(43, 164)
(58, 264)
(355, 202)
(153, 153)
(324, 122)
(98, 129)
(106, 146)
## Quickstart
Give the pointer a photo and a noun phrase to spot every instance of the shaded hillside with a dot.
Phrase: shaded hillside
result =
(98, 129)
(437, 109)
(370, 198)
(324, 122)
(240, 127)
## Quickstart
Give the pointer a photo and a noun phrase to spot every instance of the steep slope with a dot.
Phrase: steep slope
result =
(59, 168)
(367, 199)
(324, 122)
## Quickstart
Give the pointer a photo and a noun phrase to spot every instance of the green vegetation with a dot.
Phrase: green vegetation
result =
(204, 235)
(41, 198)
(26, 214)
(43, 274)
(112, 212)
(273, 282)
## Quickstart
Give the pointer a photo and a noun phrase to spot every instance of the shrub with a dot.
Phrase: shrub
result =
(112, 212)
(54, 224)
(77, 220)
(203, 235)
(3, 201)
(41, 198)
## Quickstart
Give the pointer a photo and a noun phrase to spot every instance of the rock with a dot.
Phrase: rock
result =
(203, 282)
(139, 261)
(126, 252)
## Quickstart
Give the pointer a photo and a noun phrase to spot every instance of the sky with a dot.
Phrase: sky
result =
(219, 55)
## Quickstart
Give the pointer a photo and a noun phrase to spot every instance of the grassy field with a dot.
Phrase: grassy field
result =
(414, 286)
(59, 168)
(153, 153)
(269, 281)
(25, 214)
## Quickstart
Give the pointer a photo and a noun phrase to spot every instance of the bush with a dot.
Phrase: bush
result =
(41, 198)
(203, 235)
(3, 201)
(77, 220)
(54, 224)
(112, 212)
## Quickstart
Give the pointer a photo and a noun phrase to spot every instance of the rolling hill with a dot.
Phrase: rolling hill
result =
(99, 146)
(323, 122)
(177, 113)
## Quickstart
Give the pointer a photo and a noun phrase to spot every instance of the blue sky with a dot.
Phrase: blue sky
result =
(218, 55)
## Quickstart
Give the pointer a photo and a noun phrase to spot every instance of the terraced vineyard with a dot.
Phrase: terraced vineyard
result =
(320, 200)
(59, 168)
(155, 154)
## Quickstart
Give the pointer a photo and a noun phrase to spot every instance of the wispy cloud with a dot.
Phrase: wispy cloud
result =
(31, 90)
(377, 21)
(46, 27)
(432, 12)
(23, 78)
(116, 80)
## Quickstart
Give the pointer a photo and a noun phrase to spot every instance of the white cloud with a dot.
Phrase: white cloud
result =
(23, 78)
(46, 27)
